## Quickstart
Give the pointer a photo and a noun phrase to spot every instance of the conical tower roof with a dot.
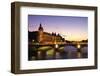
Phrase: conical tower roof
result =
(40, 27)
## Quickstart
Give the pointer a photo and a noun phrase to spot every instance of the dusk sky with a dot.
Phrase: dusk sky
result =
(71, 28)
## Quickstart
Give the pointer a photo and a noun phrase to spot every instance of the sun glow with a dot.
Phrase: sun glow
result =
(74, 37)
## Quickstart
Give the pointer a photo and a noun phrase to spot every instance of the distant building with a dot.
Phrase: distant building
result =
(44, 37)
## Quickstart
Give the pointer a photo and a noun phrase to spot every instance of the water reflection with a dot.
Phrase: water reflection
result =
(65, 52)
(84, 52)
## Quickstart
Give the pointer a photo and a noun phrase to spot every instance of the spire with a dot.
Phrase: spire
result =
(40, 27)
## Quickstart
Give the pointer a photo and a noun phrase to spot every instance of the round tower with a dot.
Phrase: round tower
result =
(40, 33)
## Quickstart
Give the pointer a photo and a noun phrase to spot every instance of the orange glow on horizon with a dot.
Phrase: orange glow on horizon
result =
(78, 37)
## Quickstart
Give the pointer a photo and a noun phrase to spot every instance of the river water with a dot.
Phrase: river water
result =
(66, 52)
(69, 52)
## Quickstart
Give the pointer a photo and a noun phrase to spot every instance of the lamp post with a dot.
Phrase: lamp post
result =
(56, 46)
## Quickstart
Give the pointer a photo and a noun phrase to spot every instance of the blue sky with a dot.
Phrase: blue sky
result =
(69, 27)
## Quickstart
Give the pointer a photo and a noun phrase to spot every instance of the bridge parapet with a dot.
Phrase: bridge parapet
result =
(59, 44)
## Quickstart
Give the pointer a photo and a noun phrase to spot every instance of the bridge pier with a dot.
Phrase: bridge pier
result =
(43, 55)
(54, 53)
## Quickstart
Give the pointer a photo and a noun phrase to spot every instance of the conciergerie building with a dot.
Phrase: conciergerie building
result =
(40, 36)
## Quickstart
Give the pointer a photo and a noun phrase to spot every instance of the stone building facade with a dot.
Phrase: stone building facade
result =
(41, 36)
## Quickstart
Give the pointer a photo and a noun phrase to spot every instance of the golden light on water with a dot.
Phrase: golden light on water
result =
(79, 55)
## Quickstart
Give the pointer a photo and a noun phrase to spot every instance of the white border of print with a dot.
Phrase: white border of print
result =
(25, 64)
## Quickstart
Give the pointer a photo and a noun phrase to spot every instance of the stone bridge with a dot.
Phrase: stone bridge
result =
(58, 45)
(40, 53)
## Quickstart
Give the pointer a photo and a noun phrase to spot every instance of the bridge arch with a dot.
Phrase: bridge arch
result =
(43, 50)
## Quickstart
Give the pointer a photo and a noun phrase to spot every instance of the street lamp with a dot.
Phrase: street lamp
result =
(32, 40)
(78, 46)
(56, 45)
